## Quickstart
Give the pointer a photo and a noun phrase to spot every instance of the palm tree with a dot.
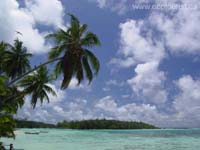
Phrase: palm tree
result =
(36, 84)
(73, 44)
(7, 125)
(74, 60)
(3, 47)
(72, 53)
(16, 60)
(8, 106)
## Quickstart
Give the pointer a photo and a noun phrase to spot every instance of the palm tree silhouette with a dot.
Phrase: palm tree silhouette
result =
(36, 84)
(73, 44)
(71, 52)
(16, 59)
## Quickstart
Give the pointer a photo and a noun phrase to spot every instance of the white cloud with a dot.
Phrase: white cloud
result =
(14, 18)
(60, 95)
(138, 44)
(42, 111)
(148, 83)
(107, 104)
(176, 22)
(186, 109)
(83, 86)
(123, 63)
(102, 3)
(186, 105)
(187, 102)
(49, 13)
(61, 107)
(179, 29)
(119, 6)
(164, 30)
(114, 83)
(131, 112)
(144, 43)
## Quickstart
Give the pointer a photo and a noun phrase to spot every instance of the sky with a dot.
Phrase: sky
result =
(149, 58)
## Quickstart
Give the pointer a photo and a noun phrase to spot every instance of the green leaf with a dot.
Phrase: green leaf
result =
(87, 68)
(93, 60)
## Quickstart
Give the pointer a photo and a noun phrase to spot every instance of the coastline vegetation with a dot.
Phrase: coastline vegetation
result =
(33, 124)
(104, 124)
(86, 124)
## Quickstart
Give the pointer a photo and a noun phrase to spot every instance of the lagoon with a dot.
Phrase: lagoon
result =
(60, 139)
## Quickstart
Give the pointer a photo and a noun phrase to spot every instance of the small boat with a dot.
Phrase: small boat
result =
(44, 132)
(32, 132)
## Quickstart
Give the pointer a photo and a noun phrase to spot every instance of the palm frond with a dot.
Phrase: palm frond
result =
(90, 39)
(58, 69)
(83, 28)
(87, 69)
(79, 74)
(93, 60)
(55, 52)
(67, 70)
(49, 90)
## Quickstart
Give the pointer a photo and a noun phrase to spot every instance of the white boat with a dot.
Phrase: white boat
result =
(32, 132)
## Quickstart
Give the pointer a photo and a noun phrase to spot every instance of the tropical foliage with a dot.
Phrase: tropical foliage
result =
(32, 124)
(21, 57)
(73, 45)
(86, 124)
(18, 79)
(37, 86)
(104, 124)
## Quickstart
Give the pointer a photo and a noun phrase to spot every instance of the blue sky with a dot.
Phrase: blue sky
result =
(149, 59)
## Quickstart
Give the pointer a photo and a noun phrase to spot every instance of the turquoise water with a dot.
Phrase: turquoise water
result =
(55, 139)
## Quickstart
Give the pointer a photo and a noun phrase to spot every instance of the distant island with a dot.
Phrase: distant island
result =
(33, 124)
(86, 124)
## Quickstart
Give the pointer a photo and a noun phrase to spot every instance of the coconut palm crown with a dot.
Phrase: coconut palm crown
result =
(37, 85)
(16, 59)
(73, 45)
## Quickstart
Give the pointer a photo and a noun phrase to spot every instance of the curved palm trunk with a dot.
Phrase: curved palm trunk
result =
(34, 69)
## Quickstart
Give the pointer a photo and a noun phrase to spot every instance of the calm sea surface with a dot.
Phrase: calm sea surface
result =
(107, 140)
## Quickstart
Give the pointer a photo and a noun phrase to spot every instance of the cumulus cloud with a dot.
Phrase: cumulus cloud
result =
(148, 83)
(179, 29)
(48, 13)
(187, 102)
(175, 25)
(145, 42)
(113, 82)
(129, 112)
(137, 44)
(109, 108)
(83, 86)
(119, 6)
(14, 18)
(186, 108)
(42, 110)
(61, 107)
(164, 30)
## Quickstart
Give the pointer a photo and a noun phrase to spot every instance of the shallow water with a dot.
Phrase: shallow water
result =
(56, 139)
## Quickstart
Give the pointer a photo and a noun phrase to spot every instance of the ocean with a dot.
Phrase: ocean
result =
(59, 139)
